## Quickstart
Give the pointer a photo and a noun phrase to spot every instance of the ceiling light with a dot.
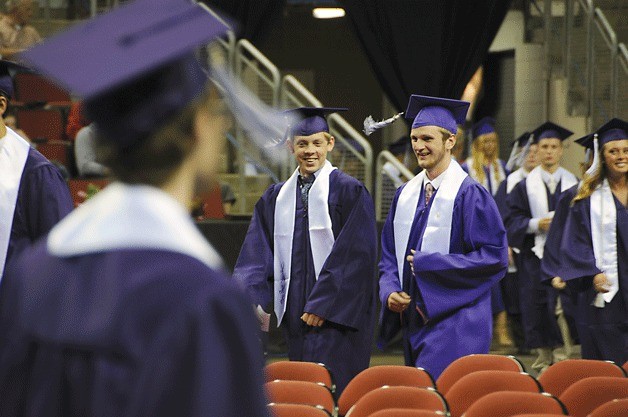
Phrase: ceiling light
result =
(328, 12)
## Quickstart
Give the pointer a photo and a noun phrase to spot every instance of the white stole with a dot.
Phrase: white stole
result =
(436, 237)
(514, 179)
(320, 231)
(131, 217)
(13, 155)
(492, 172)
(604, 238)
(537, 198)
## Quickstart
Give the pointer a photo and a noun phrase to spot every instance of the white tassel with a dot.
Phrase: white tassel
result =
(524, 151)
(596, 158)
(370, 125)
(513, 157)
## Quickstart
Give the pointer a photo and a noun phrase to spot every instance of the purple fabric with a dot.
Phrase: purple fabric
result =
(551, 130)
(126, 333)
(537, 299)
(313, 120)
(452, 289)
(345, 292)
(43, 199)
(603, 331)
(484, 126)
(436, 111)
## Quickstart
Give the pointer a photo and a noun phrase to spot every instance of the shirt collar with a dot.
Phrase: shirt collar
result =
(436, 182)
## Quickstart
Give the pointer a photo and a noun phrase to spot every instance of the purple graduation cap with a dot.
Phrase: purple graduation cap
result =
(551, 130)
(135, 66)
(484, 126)
(614, 129)
(312, 120)
(436, 111)
(8, 69)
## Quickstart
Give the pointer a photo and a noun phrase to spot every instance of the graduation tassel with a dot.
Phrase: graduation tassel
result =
(512, 159)
(596, 158)
(524, 151)
(370, 125)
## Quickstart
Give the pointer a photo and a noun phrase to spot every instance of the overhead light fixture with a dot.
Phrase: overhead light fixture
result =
(328, 12)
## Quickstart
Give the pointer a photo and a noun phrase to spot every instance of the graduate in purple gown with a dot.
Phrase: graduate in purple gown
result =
(524, 158)
(594, 247)
(531, 206)
(318, 270)
(124, 309)
(34, 194)
(443, 248)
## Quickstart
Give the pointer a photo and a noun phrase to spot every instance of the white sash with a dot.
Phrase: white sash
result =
(13, 155)
(492, 172)
(130, 217)
(514, 179)
(604, 237)
(537, 197)
(321, 234)
(438, 229)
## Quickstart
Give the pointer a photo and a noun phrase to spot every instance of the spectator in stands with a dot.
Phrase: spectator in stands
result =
(34, 194)
(594, 258)
(531, 206)
(314, 236)
(11, 121)
(16, 34)
(125, 309)
(443, 248)
(85, 153)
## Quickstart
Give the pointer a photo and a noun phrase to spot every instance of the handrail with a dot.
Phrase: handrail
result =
(290, 81)
(599, 14)
(367, 158)
(382, 158)
(275, 79)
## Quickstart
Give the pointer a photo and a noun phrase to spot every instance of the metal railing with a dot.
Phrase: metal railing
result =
(596, 64)
(390, 175)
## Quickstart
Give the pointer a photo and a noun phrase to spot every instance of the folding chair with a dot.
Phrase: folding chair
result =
(293, 410)
(614, 408)
(392, 397)
(471, 363)
(474, 386)
(378, 376)
(539, 415)
(511, 403)
(558, 377)
(301, 392)
(300, 371)
(41, 125)
(406, 412)
(586, 395)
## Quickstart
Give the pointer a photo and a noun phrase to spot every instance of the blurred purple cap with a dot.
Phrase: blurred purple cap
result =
(436, 111)
(313, 120)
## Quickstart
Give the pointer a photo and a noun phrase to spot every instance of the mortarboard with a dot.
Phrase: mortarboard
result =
(551, 130)
(484, 126)
(7, 72)
(313, 120)
(614, 129)
(436, 111)
(134, 66)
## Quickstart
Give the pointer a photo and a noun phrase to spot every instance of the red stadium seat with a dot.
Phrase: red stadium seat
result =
(558, 377)
(33, 88)
(59, 151)
(511, 403)
(294, 410)
(614, 408)
(538, 415)
(300, 371)
(406, 412)
(301, 392)
(471, 363)
(41, 125)
(378, 376)
(474, 386)
(392, 397)
(584, 396)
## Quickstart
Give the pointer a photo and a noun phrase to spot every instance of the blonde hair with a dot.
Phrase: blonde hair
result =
(479, 161)
(591, 182)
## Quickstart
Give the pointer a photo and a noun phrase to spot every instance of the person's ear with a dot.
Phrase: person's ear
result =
(4, 104)
(450, 142)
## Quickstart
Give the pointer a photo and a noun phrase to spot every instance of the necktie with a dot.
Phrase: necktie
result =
(429, 190)
(306, 184)
(552, 185)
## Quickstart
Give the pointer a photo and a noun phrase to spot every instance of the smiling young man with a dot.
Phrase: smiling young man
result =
(531, 206)
(311, 248)
(443, 248)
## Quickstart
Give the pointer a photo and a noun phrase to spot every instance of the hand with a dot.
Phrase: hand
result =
(600, 283)
(398, 301)
(544, 224)
(410, 258)
(558, 283)
(312, 319)
(511, 258)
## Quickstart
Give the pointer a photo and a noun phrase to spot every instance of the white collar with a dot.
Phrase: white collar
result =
(131, 217)
(547, 177)
(436, 182)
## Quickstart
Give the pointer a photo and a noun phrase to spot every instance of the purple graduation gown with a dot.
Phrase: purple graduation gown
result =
(344, 294)
(603, 331)
(452, 290)
(133, 332)
(43, 199)
(537, 299)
